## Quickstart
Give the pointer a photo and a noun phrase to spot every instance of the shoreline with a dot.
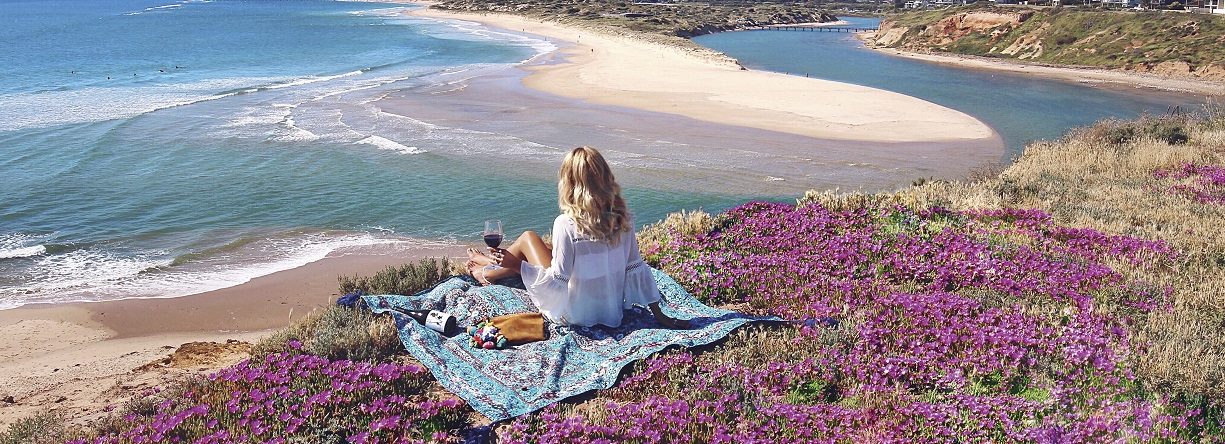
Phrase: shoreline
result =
(79, 357)
(1095, 77)
(630, 71)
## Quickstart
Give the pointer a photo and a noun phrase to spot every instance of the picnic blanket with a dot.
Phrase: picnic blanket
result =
(502, 384)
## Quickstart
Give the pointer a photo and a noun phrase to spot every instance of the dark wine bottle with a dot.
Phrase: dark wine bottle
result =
(433, 319)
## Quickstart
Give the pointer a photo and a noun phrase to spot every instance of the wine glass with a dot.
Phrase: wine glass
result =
(493, 233)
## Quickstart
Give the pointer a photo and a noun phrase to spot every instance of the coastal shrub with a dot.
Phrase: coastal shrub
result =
(338, 332)
(1108, 132)
(1168, 130)
(405, 279)
(42, 428)
(1171, 130)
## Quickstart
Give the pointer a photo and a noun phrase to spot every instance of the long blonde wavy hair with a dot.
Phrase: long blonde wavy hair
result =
(589, 194)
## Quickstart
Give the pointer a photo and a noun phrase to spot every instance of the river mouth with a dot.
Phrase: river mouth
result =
(1022, 109)
(671, 152)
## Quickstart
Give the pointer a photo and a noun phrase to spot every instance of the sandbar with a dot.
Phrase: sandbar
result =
(627, 70)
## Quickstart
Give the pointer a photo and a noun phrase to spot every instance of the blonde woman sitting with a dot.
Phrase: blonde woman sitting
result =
(593, 272)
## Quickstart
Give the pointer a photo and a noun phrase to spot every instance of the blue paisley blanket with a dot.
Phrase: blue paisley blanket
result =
(502, 384)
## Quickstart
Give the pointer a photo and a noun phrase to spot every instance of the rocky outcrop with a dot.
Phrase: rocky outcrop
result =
(1178, 68)
(955, 27)
(1029, 46)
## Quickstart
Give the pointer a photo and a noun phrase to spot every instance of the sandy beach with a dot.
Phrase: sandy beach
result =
(629, 71)
(1089, 76)
(79, 358)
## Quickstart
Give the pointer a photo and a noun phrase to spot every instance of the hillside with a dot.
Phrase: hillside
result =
(685, 19)
(1164, 43)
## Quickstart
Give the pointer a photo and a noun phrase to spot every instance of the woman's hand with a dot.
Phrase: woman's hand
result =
(505, 259)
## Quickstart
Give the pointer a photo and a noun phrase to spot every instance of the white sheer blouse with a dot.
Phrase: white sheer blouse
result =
(589, 282)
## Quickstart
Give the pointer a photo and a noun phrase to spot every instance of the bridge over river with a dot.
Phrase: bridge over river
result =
(816, 28)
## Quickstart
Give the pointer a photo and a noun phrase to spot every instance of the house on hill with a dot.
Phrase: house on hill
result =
(1206, 6)
(924, 4)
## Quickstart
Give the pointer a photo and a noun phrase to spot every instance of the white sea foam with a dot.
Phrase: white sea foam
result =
(256, 116)
(467, 30)
(313, 79)
(158, 8)
(390, 12)
(96, 274)
(98, 103)
(294, 133)
(386, 144)
(86, 268)
(22, 252)
(19, 245)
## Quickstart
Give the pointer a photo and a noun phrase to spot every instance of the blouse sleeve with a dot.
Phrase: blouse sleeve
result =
(640, 288)
(549, 285)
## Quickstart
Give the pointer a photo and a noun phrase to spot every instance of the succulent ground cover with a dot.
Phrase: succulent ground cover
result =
(1075, 296)
(297, 396)
(1204, 183)
(930, 325)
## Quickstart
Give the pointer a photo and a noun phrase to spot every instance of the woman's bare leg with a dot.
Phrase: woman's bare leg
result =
(531, 248)
(528, 247)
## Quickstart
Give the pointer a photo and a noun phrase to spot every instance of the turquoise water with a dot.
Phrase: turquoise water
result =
(160, 148)
(1021, 109)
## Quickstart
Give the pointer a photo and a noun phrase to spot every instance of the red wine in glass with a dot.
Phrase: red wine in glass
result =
(493, 233)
